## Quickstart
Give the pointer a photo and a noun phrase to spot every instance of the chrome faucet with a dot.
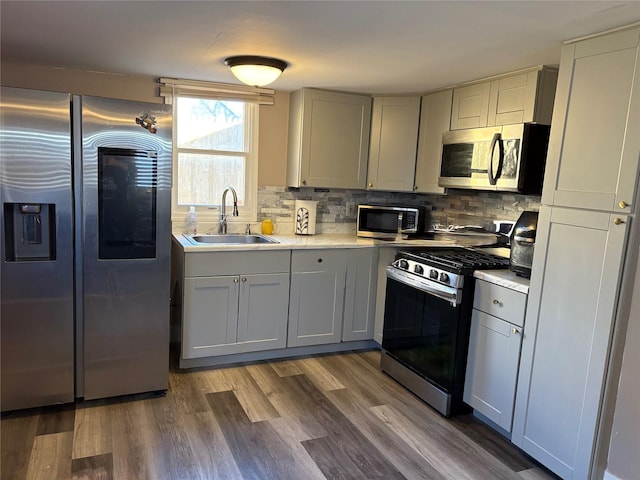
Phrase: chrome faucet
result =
(222, 223)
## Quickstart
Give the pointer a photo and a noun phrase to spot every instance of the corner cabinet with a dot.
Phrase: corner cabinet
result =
(521, 97)
(317, 296)
(494, 351)
(394, 142)
(435, 117)
(328, 139)
(243, 312)
(592, 160)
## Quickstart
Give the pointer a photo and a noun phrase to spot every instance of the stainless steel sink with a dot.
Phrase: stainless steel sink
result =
(229, 238)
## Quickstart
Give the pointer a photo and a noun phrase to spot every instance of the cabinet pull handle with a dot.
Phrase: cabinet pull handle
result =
(623, 205)
(235, 280)
(515, 331)
(618, 221)
(497, 302)
(244, 279)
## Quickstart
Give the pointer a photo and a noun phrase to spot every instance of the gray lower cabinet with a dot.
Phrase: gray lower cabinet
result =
(494, 352)
(226, 314)
(360, 294)
(316, 300)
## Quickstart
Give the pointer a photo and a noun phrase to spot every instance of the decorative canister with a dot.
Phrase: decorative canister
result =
(304, 220)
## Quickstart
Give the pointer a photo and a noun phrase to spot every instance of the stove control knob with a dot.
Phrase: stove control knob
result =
(433, 274)
(404, 264)
(418, 269)
(444, 278)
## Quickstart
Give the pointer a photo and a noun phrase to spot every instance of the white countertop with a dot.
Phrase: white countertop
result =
(334, 240)
(504, 278)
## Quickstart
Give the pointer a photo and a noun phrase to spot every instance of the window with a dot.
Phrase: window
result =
(215, 146)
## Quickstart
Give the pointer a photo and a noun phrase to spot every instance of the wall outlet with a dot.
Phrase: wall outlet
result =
(351, 209)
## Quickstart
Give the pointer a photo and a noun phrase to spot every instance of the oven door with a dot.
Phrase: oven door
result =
(427, 334)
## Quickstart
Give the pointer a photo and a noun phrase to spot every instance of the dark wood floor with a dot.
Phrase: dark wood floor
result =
(334, 417)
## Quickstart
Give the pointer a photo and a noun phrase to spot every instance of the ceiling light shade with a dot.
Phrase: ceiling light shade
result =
(255, 70)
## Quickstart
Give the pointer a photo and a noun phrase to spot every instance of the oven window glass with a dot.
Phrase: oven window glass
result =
(127, 184)
(421, 331)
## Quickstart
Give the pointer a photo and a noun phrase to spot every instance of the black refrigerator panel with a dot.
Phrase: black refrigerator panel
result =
(37, 250)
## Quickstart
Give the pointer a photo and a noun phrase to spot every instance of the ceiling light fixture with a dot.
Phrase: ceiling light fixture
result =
(255, 70)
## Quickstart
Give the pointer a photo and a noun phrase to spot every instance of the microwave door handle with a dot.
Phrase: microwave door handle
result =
(496, 140)
(400, 222)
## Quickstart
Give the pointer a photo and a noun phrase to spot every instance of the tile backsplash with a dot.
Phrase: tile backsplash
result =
(337, 207)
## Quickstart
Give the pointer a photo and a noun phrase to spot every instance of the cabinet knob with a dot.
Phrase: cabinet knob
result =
(235, 280)
(370, 184)
(415, 187)
(244, 279)
(515, 331)
(319, 260)
(618, 221)
(304, 182)
(623, 204)
(497, 302)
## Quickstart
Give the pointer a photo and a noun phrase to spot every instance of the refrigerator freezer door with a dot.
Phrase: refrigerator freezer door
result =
(126, 190)
(36, 249)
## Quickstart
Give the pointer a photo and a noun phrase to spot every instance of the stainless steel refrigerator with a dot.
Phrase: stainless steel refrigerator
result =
(85, 193)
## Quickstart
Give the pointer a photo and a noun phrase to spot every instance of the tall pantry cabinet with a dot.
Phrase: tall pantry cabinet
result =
(588, 202)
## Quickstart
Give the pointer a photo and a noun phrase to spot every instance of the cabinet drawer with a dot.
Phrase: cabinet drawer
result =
(500, 302)
(316, 260)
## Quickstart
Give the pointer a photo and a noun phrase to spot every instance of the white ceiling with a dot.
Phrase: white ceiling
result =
(365, 46)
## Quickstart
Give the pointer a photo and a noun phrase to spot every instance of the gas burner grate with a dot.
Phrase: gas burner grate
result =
(460, 259)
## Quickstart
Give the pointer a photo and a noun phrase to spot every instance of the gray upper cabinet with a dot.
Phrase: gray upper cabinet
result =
(435, 117)
(521, 97)
(394, 142)
(593, 151)
(328, 139)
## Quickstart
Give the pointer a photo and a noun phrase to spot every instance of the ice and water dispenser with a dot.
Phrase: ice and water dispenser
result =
(30, 231)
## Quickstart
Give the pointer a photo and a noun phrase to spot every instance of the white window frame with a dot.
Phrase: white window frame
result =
(173, 87)
(211, 213)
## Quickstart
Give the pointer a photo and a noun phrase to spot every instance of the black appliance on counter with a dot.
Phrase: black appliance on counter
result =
(427, 319)
(523, 239)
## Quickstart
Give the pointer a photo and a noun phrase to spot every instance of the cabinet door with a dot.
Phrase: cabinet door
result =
(470, 106)
(492, 367)
(594, 146)
(210, 315)
(567, 334)
(317, 297)
(263, 309)
(328, 139)
(360, 294)
(435, 118)
(394, 142)
(512, 99)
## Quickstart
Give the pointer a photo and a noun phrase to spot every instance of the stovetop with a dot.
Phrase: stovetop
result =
(457, 259)
(446, 266)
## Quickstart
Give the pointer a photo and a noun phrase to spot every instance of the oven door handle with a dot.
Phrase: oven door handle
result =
(448, 294)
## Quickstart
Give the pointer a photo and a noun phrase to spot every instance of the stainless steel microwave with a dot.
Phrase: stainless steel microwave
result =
(509, 158)
(389, 222)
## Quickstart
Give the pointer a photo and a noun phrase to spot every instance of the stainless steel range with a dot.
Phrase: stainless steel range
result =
(427, 319)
